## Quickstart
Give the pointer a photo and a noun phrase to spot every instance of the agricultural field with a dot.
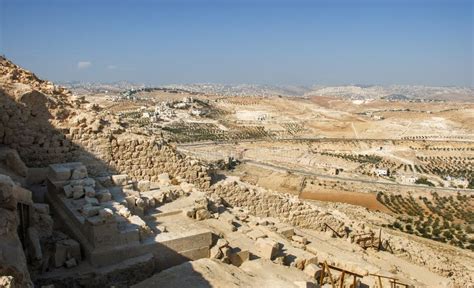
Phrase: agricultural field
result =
(447, 219)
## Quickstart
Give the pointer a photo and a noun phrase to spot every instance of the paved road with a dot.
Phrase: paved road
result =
(206, 143)
(307, 173)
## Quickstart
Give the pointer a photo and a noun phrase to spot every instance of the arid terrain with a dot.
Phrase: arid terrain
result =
(180, 187)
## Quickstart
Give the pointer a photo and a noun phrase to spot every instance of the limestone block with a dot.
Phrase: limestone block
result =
(36, 175)
(60, 254)
(78, 191)
(124, 211)
(164, 179)
(106, 214)
(222, 243)
(104, 196)
(120, 180)
(311, 270)
(89, 211)
(266, 248)
(41, 208)
(7, 199)
(143, 185)
(89, 191)
(256, 234)
(216, 253)
(70, 263)
(58, 172)
(14, 162)
(299, 239)
(239, 257)
(68, 191)
(203, 214)
(287, 232)
(34, 244)
(92, 201)
(22, 195)
(105, 181)
(187, 187)
(143, 229)
(83, 182)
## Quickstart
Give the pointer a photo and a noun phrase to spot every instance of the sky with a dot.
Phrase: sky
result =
(292, 42)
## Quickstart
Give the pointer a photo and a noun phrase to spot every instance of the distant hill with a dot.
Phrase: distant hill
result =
(353, 92)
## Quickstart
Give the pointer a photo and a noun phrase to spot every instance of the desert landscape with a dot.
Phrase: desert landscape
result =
(171, 187)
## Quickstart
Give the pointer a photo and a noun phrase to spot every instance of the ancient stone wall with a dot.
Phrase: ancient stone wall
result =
(288, 209)
(58, 127)
(13, 270)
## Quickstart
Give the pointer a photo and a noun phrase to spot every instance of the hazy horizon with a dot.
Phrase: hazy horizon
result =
(300, 43)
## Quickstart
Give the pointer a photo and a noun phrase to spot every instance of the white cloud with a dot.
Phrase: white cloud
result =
(84, 64)
(112, 67)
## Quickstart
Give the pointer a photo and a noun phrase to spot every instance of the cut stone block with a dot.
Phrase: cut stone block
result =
(299, 239)
(88, 210)
(164, 179)
(78, 191)
(71, 263)
(266, 248)
(68, 191)
(89, 191)
(203, 214)
(287, 232)
(311, 270)
(240, 257)
(143, 229)
(14, 162)
(143, 185)
(104, 197)
(120, 180)
(256, 234)
(79, 173)
(58, 172)
(41, 208)
(216, 253)
(222, 243)
(92, 201)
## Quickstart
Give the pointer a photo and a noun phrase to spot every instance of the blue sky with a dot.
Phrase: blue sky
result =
(230, 41)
